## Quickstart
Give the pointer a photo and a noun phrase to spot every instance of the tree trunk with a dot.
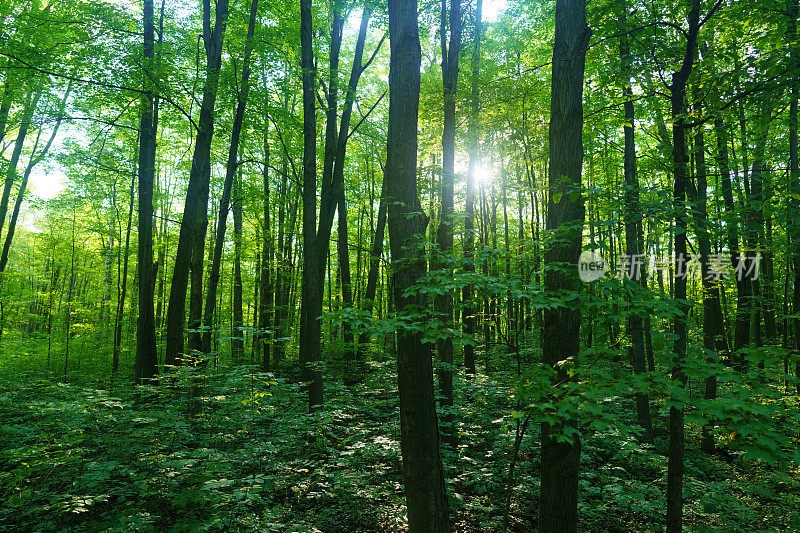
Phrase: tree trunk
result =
(443, 303)
(34, 160)
(230, 176)
(338, 178)
(68, 310)
(633, 232)
(124, 285)
(265, 304)
(5, 106)
(793, 212)
(311, 291)
(677, 89)
(237, 342)
(426, 498)
(470, 310)
(146, 362)
(713, 330)
(558, 507)
(11, 170)
(754, 236)
(281, 275)
(376, 251)
(191, 240)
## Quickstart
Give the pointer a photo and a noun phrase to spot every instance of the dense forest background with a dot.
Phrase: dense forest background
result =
(339, 265)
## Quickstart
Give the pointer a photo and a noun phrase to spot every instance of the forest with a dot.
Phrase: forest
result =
(415, 265)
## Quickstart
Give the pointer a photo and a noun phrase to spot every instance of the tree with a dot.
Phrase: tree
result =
(343, 247)
(793, 208)
(677, 89)
(634, 245)
(426, 499)
(443, 303)
(34, 160)
(146, 358)
(558, 507)
(469, 311)
(311, 295)
(191, 241)
(231, 169)
(11, 172)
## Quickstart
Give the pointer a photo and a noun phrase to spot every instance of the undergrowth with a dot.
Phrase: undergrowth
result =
(242, 454)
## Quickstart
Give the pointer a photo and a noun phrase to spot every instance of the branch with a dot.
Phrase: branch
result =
(286, 151)
(352, 131)
(97, 83)
(710, 13)
(374, 54)
(69, 77)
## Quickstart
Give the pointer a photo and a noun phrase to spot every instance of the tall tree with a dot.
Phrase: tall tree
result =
(191, 240)
(311, 287)
(332, 189)
(558, 507)
(146, 362)
(122, 281)
(34, 160)
(793, 211)
(426, 498)
(343, 248)
(713, 328)
(469, 312)
(443, 303)
(31, 103)
(376, 250)
(634, 245)
(265, 304)
(230, 175)
(677, 89)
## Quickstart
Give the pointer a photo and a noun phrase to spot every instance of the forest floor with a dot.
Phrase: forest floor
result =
(242, 454)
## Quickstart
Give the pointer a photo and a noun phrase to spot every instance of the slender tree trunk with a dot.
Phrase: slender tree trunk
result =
(146, 362)
(558, 505)
(34, 160)
(376, 251)
(50, 299)
(5, 106)
(470, 310)
(162, 269)
(793, 211)
(237, 342)
(741, 322)
(230, 176)
(311, 295)
(443, 303)
(338, 178)
(426, 498)
(675, 465)
(108, 250)
(510, 318)
(68, 309)
(191, 240)
(281, 274)
(265, 304)
(343, 254)
(11, 170)
(713, 329)
(124, 285)
(633, 232)
(753, 231)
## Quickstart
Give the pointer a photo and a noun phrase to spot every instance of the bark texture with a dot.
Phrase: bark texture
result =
(558, 507)
(422, 465)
